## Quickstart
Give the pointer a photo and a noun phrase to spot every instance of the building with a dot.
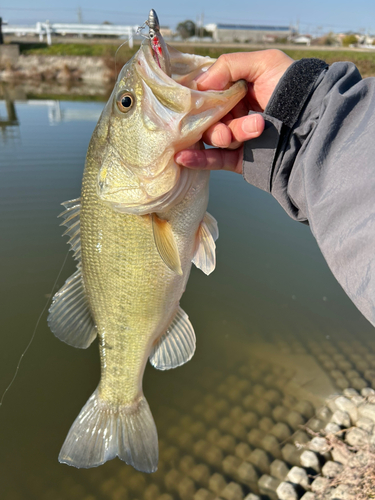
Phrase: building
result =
(246, 33)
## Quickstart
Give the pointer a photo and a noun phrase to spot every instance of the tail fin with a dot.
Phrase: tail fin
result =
(102, 431)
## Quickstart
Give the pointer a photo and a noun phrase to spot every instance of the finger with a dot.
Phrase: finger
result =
(246, 128)
(230, 68)
(232, 133)
(211, 159)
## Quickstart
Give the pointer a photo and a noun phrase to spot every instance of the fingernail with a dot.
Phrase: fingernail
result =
(250, 125)
(190, 159)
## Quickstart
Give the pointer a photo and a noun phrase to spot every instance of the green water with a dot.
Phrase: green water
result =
(271, 282)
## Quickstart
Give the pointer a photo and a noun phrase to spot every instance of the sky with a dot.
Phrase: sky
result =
(315, 17)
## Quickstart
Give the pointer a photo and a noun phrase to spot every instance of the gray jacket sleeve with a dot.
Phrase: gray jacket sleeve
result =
(317, 158)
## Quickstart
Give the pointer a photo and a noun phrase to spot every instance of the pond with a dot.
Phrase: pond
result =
(273, 329)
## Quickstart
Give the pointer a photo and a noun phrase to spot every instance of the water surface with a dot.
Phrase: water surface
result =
(271, 286)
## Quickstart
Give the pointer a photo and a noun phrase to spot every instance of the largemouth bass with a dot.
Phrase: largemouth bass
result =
(140, 223)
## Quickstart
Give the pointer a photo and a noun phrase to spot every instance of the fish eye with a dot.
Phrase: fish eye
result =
(125, 101)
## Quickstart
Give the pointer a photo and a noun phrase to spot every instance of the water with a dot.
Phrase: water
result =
(271, 297)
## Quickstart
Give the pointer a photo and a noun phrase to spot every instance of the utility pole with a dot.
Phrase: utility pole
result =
(79, 14)
(202, 20)
(1, 31)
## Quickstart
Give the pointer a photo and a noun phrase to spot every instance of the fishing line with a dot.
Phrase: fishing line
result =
(34, 332)
(138, 32)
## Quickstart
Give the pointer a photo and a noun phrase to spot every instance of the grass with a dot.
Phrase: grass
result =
(365, 61)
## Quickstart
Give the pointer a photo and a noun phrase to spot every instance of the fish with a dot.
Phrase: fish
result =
(140, 223)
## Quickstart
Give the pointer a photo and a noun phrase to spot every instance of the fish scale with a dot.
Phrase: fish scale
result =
(139, 225)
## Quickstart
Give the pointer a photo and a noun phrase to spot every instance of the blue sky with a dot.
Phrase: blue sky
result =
(314, 17)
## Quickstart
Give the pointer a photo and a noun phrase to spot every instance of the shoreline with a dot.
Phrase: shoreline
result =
(94, 63)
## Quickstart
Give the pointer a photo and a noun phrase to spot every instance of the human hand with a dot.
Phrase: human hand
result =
(262, 70)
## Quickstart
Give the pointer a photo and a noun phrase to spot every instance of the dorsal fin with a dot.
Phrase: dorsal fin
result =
(70, 316)
(72, 222)
(205, 254)
(176, 346)
(166, 244)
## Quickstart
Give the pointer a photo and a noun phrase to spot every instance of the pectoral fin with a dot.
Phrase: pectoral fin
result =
(205, 254)
(176, 346)
(166, 244)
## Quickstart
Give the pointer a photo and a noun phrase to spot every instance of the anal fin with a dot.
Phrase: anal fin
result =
(205, 253)
(176, 346)
(69, 316)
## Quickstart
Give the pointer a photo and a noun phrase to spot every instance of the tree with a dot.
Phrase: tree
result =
(349, 40)
(186, 29)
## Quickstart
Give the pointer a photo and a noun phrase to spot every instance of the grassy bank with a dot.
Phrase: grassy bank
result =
(365, 61)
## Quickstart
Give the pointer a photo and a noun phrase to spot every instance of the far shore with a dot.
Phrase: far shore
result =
(98, 61)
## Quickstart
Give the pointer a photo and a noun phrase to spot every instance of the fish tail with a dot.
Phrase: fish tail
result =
(103, 431)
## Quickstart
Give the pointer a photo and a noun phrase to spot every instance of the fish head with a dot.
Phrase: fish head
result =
(149, 117)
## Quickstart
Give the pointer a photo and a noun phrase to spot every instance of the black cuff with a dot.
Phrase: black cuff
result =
(280, 115)
(293, 90)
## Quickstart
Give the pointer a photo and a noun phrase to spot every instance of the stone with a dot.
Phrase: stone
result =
(308, 496)
(281, 431)
(330, 402)
(340, 454)
(260, 459)
(279, 469)
(230, 465)
(350, 392)
(242, 451)
(323, 413)
(271, 444)
(358, 400)
(268, 486)
(300, 437)
(315, 424)
(341, 418)
(232, 491)
(249, 419)
(294, 419)
(286, 491)
(319, 445)
(273, 397)
(266, 424)
(357, 437)
(246, 474)
(358, 383)
(290, 454)
(297, 475)
(331, 469)
(319, 485)
(186, 488)
(279, 413)
(366, 424)
(332, 428)
(305, 408)
(216, 483)
(201, 474)
(203, 494)
(367, 391)
(368, 411)
(227, 443)
(342, 492)
(255, 437)
(186, 464)
(309, 459)
(346, 405)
